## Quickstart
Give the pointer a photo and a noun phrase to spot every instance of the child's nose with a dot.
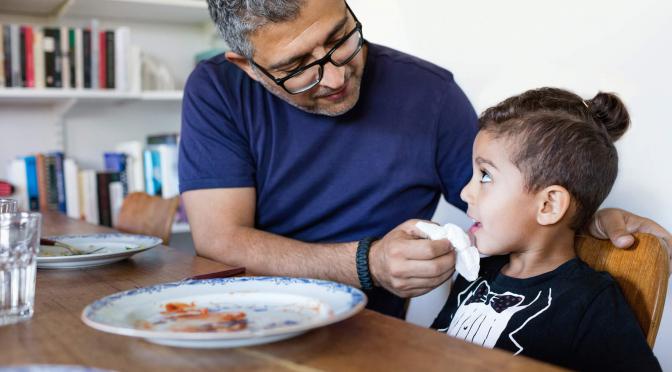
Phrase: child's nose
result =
(467, 193)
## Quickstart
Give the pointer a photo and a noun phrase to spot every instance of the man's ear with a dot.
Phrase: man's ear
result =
(553, 203)
(242, 63)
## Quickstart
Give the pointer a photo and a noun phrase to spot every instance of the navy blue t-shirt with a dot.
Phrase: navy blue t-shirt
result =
(331, 179)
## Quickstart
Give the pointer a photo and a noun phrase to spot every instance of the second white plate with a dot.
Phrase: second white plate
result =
(113, 247)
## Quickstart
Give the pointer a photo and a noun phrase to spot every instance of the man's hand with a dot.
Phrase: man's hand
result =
(618, 226)
(407, 265)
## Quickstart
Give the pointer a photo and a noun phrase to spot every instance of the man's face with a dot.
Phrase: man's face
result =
(283, 47)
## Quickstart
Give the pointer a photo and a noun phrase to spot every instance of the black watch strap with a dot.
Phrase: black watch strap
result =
(362, 263)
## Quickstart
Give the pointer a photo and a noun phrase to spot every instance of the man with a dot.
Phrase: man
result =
(304, 142)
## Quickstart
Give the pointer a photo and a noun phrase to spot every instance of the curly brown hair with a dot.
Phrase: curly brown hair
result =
(559, 139)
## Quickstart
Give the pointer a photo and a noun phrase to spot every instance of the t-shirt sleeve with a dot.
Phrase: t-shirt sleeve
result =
(214, 150)
(609, 338)
(457, 128)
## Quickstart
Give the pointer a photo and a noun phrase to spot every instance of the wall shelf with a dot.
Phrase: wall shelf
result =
(165, 11)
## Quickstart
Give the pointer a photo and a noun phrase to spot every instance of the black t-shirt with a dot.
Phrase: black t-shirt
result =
(572, 316)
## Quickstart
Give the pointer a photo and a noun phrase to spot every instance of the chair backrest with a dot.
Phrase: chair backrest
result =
(641, 271)
(144, 214)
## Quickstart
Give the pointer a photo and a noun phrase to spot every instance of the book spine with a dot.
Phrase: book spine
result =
(104, 179)
(60, 182)
(38, 56)
(7, 49)
(50, 50)
(117, 162)
(18, 177)
(102, 60)
(152, 172)
(79, 57)
(23, 52)
(32, 187)
(95, 53)
(121, 44)
(72, 56)
(70, 171)
(86, 50)
(16, 56)
(51, 182)
(65, 57)
(30, 58)
(109, 60)
(2, 56)
(42, 182)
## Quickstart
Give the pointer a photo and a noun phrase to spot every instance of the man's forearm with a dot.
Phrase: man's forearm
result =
(263, 253)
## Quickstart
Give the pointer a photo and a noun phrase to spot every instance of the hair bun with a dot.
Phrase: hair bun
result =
(609, 111)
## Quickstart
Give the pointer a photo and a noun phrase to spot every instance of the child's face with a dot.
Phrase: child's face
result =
(503, 212)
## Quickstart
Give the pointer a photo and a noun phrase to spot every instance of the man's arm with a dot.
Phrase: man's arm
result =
(222, 225)
(619, 225)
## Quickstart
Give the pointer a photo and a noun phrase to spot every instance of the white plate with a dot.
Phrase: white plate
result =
(275, 308)
(115, 247)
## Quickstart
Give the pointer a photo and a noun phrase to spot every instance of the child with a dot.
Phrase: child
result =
(543, 163)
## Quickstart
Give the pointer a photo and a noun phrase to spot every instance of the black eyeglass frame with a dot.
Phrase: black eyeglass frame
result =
(321, 62)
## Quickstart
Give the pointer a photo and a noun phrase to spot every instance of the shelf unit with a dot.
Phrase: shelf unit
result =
(181, 13)
(166, 11)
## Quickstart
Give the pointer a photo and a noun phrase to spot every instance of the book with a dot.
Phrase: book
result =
(59, 173)
(7, 54)
(42, 182)
(89, 196)
(95, 54)
(103, 180)
(70, 172)
(168, 174)
(29, 66)
(79, 59)
(15, 56)
(52, 58)
(116, 200)
(32, 188)
(86, 56)
(50, 182)
(16, 173)
(117, 162)
(2, 55)
(134, 164)
(102, 60)
(109, 60)
(72, 57)
(122, 42)
(152, 167)
(65, 57)
(38, 56)
(161, 139)
(22, 54)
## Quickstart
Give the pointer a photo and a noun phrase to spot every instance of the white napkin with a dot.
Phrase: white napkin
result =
(467, 259)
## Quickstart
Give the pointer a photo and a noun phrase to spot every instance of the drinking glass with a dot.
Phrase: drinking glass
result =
(9, 205)
(19, 244)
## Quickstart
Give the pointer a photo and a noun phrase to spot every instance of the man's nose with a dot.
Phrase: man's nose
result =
(333, 77)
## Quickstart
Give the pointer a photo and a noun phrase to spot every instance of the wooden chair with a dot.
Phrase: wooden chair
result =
(641, 271)
(144, 214)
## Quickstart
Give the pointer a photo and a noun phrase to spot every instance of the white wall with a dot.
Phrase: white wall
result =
(500, 48)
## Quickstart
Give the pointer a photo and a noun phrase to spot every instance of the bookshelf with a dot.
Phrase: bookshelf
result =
(160, 11)
(84, 123)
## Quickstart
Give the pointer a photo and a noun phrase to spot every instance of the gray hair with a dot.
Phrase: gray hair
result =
(236, 20)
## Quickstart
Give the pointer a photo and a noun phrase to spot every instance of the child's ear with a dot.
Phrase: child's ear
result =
(553, 202)
(242, 63)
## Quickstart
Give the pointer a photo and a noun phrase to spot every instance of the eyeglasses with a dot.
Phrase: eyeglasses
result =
(304, 78)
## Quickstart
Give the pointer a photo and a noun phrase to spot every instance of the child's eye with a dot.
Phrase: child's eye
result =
(485, 177)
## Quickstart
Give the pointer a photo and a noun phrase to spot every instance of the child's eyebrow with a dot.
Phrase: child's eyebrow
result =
(480, 160)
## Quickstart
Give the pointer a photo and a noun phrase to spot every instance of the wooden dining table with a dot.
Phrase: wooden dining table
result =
(367, 341)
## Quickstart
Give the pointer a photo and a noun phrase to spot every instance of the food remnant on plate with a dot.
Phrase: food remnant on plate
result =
(187, 317)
